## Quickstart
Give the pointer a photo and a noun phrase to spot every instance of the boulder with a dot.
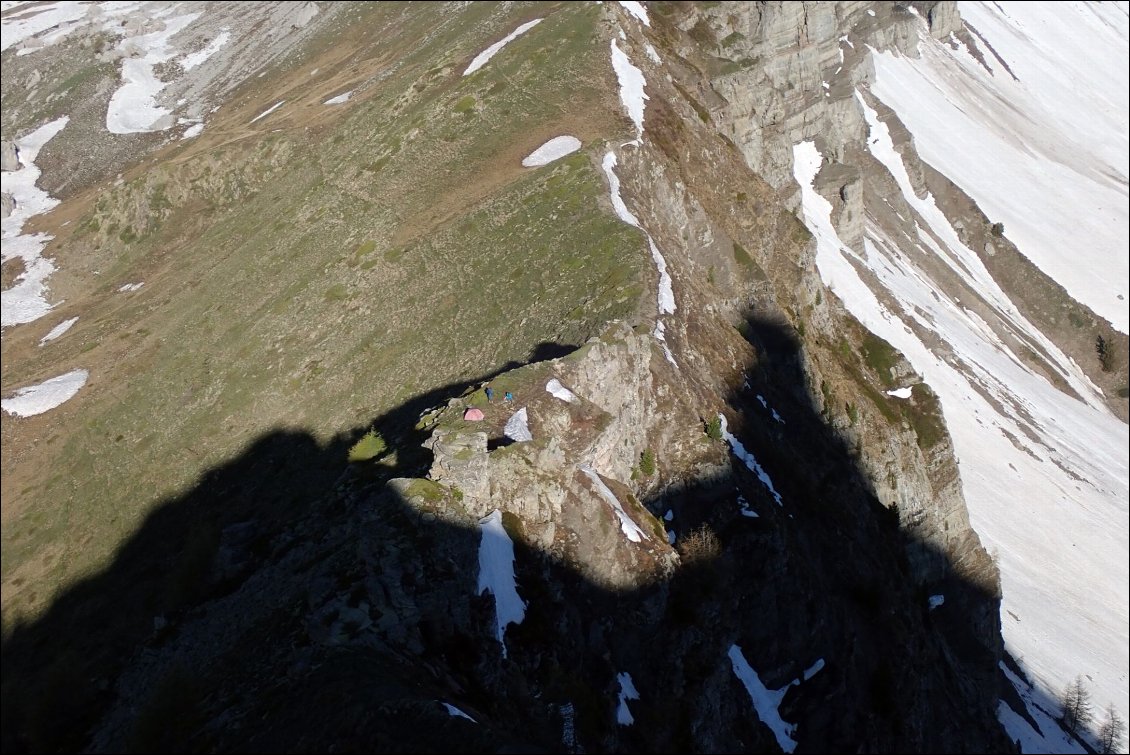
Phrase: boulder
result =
(9, 156)
(303, 14)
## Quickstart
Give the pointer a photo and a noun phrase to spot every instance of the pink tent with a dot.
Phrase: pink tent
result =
(473, 415)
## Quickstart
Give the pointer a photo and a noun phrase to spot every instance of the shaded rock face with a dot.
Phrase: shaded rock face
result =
(861, 578)
(810, 59)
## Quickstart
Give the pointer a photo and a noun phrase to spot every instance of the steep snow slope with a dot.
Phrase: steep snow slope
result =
(1044, 473)
(1035, 131)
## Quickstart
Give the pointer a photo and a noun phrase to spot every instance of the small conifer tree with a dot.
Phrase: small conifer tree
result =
(1076, 704)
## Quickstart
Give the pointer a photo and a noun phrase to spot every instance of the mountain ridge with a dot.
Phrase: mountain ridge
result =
(413, 252)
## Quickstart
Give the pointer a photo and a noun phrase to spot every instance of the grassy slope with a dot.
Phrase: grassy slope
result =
(316, 276)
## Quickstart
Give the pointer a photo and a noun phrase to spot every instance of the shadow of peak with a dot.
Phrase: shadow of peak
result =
(547, 350)
(282, 604)
(773, 337)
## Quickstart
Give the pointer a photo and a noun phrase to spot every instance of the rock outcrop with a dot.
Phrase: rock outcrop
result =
(9, 156)
(557, 485)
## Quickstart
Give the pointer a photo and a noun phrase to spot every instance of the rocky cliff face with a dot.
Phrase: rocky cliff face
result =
(919, 255)
(614, 411)
(765, 67)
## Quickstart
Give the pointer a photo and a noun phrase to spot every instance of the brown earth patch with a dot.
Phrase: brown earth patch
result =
(11, 270)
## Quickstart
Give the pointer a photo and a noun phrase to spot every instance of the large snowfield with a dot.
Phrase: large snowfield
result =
(1040, 145)
(1044, 473)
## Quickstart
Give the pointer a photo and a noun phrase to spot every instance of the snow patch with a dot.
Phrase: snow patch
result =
(568, 727)
(192, 60)
(483, 57)
(129, 287)
(269, 110)
(636, 9)
(765, 701)
(627, 692)
(559, 391)
(341, 99)
(554, 149)
(630, 529)
(901, 392)
(37, 399)
(133, 106)
(660, 334)
(666, 292)
(666, 295)
(456, 713)
(517, 427)
(193, 131)
(26, 300)
(814, 669)
(740, 451)
(58, 330)
(618, 206)
(965, 263)
(743, 507)
(765, 405)
(651, 53)
(496, 575)
(632, 84)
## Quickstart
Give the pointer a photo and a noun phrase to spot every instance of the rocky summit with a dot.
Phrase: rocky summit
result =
(565, 377)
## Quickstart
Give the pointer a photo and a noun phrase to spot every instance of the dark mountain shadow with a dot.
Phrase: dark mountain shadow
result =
(547, 350)
(293, 603)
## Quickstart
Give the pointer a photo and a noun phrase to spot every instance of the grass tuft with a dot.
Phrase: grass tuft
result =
(370, 446)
